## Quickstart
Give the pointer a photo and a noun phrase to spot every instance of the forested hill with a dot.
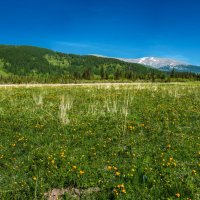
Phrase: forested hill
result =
(28, 61)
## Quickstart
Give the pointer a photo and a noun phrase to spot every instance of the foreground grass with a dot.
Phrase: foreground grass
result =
(132, 142)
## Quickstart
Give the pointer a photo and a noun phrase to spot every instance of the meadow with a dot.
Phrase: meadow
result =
(137, 142)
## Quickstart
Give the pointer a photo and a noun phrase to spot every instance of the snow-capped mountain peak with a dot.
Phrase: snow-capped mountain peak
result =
(163, 64)
(155, 62)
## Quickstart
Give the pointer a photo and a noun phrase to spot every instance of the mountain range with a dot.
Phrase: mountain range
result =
(35, 64)
(165, 64)
(35, 61)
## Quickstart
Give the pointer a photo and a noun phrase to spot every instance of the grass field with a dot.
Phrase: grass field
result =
(136, 142)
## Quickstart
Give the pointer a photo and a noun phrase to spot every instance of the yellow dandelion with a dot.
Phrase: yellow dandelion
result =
(131, 128)
(168, 164)
(177, 195)
(109, 167)
(62, 154)
(53, 162)
(124, 191)
(81, 172)
(170, 159)
(74, 167)
(117, 173)
(194, 172)
(168, 146)
(34, 178)
(115, 190)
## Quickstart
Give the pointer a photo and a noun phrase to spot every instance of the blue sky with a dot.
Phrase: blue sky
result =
(117, 28)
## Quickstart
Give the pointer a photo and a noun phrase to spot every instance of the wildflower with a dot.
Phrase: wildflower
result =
(124, 191)
(34, 178)
(142, 125)
(14, 145)
(120, 186)
(53, 162)
(109, 167)
(177, 195)
(62, 154)
(115, 168)
(194, 172)
(131, 128)
(74, 167)
(117, 173)
(170, 159)
(81, 172)
(168, 146)
(168, 164)
(116, 192)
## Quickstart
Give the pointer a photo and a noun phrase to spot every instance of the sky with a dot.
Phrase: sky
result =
(114, 28)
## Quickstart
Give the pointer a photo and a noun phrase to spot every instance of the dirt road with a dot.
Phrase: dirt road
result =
(71, 84)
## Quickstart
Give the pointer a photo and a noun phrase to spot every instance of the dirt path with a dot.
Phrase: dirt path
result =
(71, 84)
(90, 84)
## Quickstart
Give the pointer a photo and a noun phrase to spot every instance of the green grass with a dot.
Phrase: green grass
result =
(143, 136)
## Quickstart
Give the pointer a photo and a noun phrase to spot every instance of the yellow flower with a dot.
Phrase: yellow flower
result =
(170, 159)
(168, 164)
(115, 168)
(178, 195)
(124, 191)
(194, 172)
(168, 146)
(62, 154)
(109, 167)
(52, 162)
(117, 173)
(74, 167)
(81, 172)
(34, 178)
(13, 145)
(131, 128)
(120, 186)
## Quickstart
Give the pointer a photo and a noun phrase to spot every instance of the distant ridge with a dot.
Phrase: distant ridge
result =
(35, 61)
(163, 64)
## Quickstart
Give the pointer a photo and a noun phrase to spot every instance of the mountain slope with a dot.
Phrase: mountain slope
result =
(32, 61)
